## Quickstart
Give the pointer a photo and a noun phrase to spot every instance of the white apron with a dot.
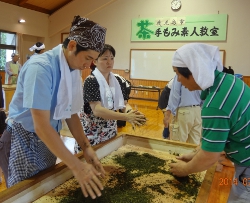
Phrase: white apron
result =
(12, 79)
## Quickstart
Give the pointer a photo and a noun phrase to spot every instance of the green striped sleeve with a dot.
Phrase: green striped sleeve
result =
(216, 127)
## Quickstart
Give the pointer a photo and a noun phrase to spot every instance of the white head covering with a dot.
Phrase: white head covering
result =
(33, 48)
(201, 60)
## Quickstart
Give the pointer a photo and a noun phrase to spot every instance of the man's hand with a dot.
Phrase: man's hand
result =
(179, 169)
(200, 161)
(85, 173)
(166, 118)
(87, 176)
(91, 157)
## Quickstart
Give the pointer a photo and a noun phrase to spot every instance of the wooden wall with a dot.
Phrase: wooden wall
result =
(140, 94)
(145, 94)
(246, 79)
(2, 74)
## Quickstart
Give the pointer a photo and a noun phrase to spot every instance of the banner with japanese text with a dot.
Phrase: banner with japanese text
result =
(187, 28)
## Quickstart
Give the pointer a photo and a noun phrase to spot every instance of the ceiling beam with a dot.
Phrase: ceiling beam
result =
(22, 2)
(60, 6)
(36, 8)
(10, 2)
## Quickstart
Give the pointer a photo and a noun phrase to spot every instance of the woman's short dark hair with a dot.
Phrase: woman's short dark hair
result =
(184, 71)
(105, 48)
(78, 47)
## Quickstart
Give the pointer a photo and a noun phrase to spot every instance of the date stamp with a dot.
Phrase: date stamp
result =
(234, 181)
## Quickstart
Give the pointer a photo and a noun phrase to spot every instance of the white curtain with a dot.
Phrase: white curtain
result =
(19, 45)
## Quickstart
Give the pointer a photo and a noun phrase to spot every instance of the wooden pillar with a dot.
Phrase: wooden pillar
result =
(8, 91)
(2, 74)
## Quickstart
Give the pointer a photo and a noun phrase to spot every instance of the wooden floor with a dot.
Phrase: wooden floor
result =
(153, 129)
(2, 183)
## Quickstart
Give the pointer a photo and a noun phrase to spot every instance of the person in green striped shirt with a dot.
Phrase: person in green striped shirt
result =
(225, 116)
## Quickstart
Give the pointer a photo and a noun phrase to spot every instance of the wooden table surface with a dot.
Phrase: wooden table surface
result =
(219, 192)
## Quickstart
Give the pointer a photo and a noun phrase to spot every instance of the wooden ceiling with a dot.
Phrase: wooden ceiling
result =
(43, 6)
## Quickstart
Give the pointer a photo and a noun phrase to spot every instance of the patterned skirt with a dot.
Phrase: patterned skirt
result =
(96, 129)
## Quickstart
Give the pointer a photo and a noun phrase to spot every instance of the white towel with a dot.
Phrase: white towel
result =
(170, 83)
(201, 60)
(70, 95)
(111, 95)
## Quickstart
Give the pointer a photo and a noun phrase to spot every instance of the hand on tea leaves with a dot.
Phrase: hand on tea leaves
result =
(200, 161)
(178, 169)
(86, 175)
(91, 157)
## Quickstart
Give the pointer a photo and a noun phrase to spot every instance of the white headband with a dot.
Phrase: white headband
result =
(201, 60)
(33, 48)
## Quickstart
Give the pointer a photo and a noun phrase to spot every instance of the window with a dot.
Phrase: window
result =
(7, 46)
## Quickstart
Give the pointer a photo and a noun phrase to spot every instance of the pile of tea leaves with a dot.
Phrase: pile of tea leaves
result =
(122, 187)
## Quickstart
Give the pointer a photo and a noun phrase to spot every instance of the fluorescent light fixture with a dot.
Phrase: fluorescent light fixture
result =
(21, 21)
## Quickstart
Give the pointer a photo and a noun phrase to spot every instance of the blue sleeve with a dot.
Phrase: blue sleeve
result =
(175, 96)
(37, 87)
(19, 69)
